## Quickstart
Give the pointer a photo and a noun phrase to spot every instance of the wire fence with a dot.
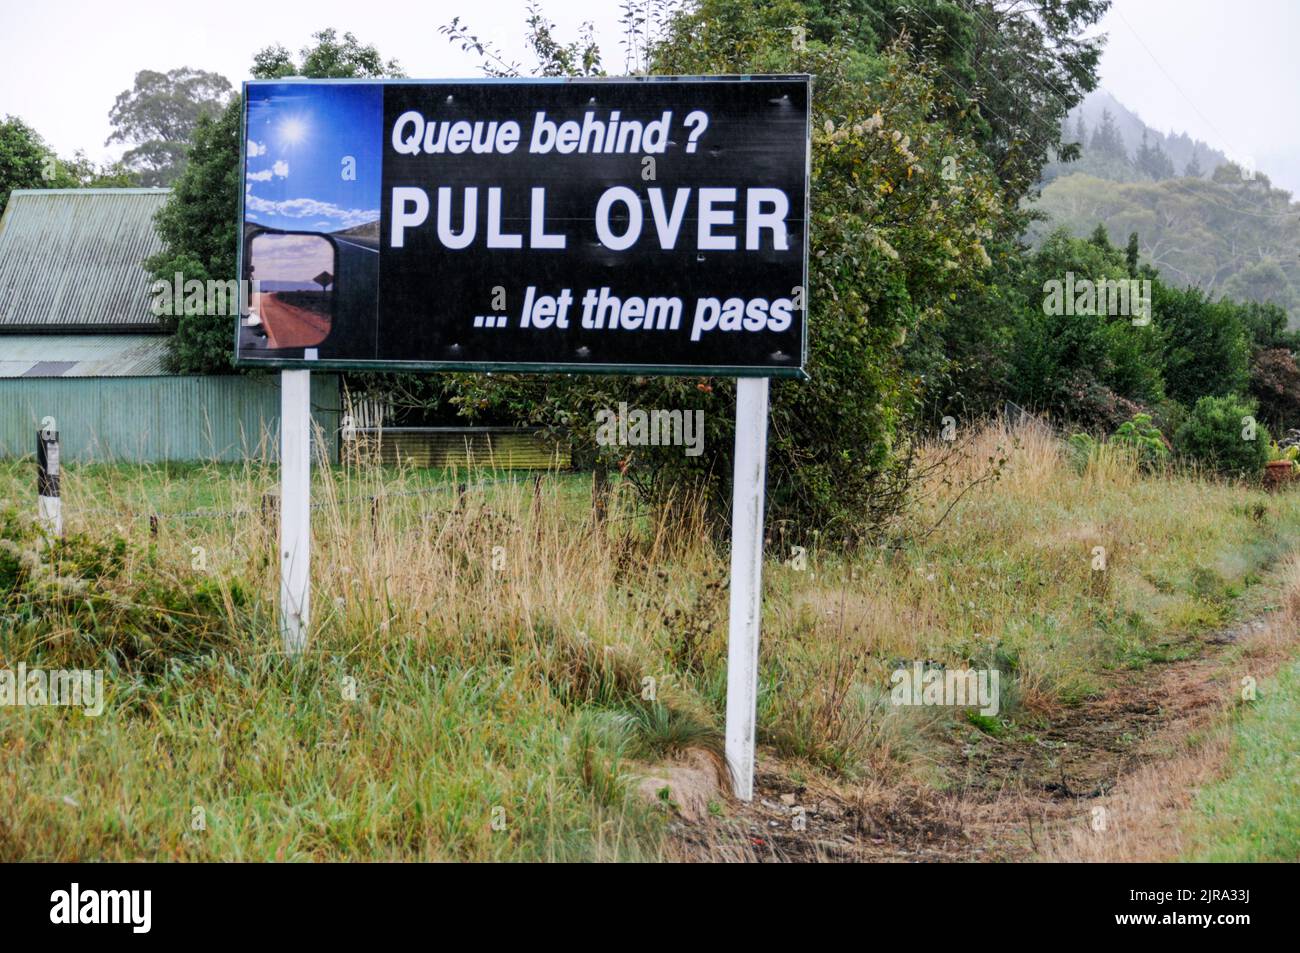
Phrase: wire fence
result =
(1016, 417)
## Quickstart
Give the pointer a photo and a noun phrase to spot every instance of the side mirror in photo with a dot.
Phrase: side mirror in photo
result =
(291, 293)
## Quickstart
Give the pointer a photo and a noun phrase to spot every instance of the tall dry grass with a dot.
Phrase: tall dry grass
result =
(502, 648)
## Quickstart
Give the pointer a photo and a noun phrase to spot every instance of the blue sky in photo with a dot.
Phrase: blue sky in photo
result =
(299, 136)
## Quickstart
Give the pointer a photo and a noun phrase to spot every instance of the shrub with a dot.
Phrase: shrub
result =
(1206, 344)
(1220, 433)
(1145, 439)
(71, 602)
(1275, 383)
(1085, 401)
(1082, 447)
(891, 239)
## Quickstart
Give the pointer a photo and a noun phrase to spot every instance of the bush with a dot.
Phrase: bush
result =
(1081, 448)
(891, 239)
(1086, 402)
(1093, 367)
(1144, 438)
(1275, 383)
(1206, 343)
(1221, 433)
(72, 603)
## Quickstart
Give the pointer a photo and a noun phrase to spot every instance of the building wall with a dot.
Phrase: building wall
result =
(493, 448)
(146, 419)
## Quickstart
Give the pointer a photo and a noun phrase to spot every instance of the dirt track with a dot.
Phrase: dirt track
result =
(1071, 790)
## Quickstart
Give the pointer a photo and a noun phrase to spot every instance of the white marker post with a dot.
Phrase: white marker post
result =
(295, 508)
(747, 491)
(49, 505)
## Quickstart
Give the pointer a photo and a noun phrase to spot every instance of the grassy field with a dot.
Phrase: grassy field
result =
(490, 673)
(1253, 814)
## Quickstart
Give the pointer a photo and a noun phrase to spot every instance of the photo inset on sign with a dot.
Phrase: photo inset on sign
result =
(292, 296)
(311, 219)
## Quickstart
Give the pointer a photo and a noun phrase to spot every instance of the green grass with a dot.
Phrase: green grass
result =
(1253, 814)
(282, 766)
(115, 490)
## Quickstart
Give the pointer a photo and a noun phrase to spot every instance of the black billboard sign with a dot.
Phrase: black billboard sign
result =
(652, 225)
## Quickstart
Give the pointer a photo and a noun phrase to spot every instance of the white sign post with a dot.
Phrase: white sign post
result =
(747, 491)
(295, 508)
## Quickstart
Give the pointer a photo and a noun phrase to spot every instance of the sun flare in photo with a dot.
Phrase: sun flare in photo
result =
(294, 130)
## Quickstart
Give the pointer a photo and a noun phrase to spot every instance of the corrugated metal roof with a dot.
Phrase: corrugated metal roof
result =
(70, 258)
(82, 355)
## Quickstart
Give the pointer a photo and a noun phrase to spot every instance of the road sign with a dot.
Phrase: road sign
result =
(650, 225)
(656, 225)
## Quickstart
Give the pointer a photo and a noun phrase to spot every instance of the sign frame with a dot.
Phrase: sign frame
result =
(541, 367)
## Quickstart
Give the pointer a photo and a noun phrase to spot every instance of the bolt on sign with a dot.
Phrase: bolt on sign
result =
(656, 225)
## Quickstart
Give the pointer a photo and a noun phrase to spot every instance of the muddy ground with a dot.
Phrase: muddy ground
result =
(1013, 798)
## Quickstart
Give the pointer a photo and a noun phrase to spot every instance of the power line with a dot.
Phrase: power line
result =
(1144, 46)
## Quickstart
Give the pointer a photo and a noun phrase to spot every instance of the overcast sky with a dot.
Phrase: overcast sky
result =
(1225, 71)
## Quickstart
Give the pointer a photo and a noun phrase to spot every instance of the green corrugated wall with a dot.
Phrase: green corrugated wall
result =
(145, 419)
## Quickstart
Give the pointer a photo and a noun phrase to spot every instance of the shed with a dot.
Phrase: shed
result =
(79, 342)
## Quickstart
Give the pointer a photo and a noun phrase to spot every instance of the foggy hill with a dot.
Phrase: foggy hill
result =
(1179, 146)
(1225, 230)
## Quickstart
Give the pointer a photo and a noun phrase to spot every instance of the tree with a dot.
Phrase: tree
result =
(199, 228)
(1089, 365)
(1012, 71)
(1206, 347)
(158, 115)
(891, 239)
(27, 162)
(1267, 326)
(327, 58)
(1265, 281)
(1228, 236)
(1152, 161)
(1107, 139)
(1131, 253)
(199, 224)
(1274, 377)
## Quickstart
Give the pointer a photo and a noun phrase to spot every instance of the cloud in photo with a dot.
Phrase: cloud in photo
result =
(296, 133)
(291, 257)
(311, 209)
